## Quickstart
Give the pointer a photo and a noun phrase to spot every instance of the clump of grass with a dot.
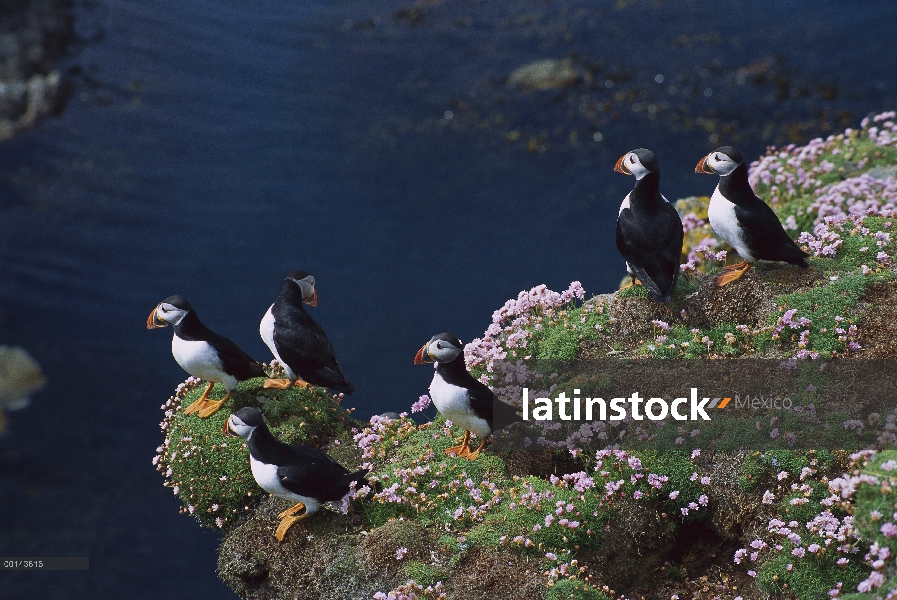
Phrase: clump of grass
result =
(573, 589)
(786, 576)
(424, 574)
(685, 285)
(210, 472)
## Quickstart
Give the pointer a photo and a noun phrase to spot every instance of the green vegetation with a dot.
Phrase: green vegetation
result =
(210, 472)
(571, 589)
(800, 523)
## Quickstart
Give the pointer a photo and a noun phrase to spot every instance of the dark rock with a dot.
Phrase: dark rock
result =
(33, 34)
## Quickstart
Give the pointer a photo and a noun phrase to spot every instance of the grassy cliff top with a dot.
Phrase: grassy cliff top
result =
(588, 521)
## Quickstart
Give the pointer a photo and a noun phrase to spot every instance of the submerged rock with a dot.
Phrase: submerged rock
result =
(32, 36)
(20, 376)
(546, 74)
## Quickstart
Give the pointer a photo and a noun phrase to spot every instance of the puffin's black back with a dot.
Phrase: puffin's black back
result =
(302, 469)
(649, 237)
(302, 343)
(763, 231)
(482, 400)
(234, 360)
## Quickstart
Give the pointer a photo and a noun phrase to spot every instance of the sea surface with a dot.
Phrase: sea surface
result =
(209, 148)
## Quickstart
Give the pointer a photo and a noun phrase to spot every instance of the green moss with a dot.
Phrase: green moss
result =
(210, 472)
(424, 574)
(561, 337)
(685, 285)
(441, 484)
(524, 527)
(687, 342)
(821, 305)
(761, 468)
(875, 504)
(809, 578)
(573, 589)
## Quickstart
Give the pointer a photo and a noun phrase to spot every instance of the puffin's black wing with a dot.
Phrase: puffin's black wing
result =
(235, 361)
(486, 406)
(302, 343)
(652, 246)
(314, 473)
(765, 236)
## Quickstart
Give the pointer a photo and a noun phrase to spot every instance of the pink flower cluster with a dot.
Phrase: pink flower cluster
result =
(802, 172)
(883, 130)
(860, 195)
(513, 325)
(877, 559)
(421, 404)
(832, 532)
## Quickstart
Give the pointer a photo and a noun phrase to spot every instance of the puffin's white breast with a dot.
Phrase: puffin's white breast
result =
(624, 204)
(266, 330)
(453, 402)
(266, 476)
(200, 360)
(722, 217)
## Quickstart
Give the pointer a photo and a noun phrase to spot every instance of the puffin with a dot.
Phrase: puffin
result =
(203, 353)
(460, 398)
(297, 342)
(649, 230)
(301, 474)
(742, 219)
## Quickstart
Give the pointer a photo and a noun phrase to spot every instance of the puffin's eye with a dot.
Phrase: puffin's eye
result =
(438, 346)
(717, 157)
(631, 159)
(165, 310)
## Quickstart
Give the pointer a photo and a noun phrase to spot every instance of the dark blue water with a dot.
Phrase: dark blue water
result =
(215, 148)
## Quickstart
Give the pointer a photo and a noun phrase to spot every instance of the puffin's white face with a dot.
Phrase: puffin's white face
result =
(630, 164)
(235, 426)
(443, 351)
(307, 285)
(169, 313)
(720, 163)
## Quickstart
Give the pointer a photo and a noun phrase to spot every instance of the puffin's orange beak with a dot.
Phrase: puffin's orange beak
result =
(422, 357)
(620, 167)
(154, 322)
(703, 168)
(314, 300)
(226, 428)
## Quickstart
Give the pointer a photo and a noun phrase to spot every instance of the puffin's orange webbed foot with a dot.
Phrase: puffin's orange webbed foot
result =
(735, 266)
(212, 406)
(200, 402)
(462, 450)
(732, 274)
(278, 384)
(473, 455)
(288, 518)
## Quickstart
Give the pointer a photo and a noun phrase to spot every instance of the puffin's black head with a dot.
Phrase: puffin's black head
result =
(721, 161)
(169, 312)
(639, 162)
(442, 347)
(306, 283)
(243, 422)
